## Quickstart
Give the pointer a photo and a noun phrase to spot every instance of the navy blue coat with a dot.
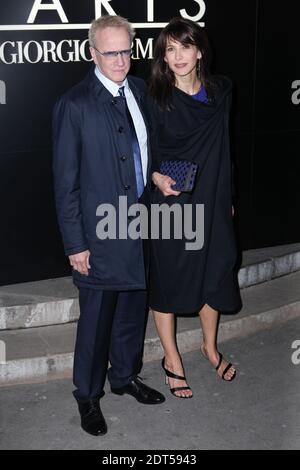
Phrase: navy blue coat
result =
(93, 164)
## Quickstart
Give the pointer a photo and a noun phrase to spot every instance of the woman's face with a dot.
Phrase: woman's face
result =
(181, 58)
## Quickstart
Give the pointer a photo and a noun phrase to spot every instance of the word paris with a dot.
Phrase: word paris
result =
(105, 7)
(70, 49)
(135, 222)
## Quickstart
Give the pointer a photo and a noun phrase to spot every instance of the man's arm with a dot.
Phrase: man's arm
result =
(66, 170)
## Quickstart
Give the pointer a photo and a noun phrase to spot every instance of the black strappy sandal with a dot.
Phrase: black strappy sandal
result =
(174, 376)
(226, 369)
(219, 365)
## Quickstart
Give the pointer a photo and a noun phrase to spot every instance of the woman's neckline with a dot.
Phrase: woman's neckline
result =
(190, 94)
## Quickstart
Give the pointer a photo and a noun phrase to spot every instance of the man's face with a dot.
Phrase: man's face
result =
(107, 40)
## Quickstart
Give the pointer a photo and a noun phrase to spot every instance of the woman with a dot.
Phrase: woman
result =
(189, 111)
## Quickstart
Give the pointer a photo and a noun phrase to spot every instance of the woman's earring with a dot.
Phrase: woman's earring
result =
(198, 68)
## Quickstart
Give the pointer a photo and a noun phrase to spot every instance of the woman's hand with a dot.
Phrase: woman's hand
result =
(164, 183)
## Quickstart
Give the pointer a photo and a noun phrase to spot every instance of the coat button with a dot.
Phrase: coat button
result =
(120, 129)
(127, 186)
(123, 158)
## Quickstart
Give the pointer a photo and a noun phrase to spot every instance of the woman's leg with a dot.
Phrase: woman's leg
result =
(209, 321)
(165, 324)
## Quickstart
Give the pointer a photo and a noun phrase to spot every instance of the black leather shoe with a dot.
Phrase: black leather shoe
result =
(92, 419)
(140, 392)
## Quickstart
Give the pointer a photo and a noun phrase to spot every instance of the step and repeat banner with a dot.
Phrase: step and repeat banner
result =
(44, 51)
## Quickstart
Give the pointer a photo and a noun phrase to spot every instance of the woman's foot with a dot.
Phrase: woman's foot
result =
(224, 368)
(175, 368)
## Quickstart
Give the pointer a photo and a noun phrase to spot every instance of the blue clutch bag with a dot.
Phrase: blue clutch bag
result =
(182, 171)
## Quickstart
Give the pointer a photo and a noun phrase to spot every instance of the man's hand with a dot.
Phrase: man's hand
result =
(164, 184)
(80, 262)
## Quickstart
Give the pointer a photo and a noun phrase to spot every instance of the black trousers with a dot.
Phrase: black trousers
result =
(110, 328)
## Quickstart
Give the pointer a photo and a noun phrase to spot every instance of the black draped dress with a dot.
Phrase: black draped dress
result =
(181, 280)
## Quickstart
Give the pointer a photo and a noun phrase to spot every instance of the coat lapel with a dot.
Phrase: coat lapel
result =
(140, 99)
(102, 96)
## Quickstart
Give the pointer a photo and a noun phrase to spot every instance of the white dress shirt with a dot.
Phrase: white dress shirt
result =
(135, 112)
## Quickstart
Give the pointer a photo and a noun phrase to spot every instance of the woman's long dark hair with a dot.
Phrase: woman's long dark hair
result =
(162, 78)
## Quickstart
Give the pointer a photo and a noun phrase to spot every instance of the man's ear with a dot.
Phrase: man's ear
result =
(93, 54)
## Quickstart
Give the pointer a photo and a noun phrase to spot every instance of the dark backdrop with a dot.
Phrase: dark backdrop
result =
(255, 42)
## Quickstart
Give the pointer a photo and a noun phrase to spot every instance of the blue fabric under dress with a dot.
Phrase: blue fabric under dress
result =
(201, 95)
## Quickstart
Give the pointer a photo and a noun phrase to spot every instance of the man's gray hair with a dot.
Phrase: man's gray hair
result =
(109, 21)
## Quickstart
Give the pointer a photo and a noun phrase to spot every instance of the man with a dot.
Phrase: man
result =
(101, 153)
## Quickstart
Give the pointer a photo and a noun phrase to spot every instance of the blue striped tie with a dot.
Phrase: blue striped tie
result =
(135, 148)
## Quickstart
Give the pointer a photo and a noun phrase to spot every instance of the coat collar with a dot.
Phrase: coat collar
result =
(101, 93)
